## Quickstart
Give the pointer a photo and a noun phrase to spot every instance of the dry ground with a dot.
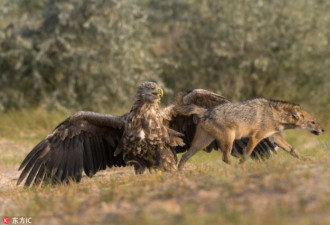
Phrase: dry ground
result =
(282, 190)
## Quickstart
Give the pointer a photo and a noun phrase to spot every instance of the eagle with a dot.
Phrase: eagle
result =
(147, 137)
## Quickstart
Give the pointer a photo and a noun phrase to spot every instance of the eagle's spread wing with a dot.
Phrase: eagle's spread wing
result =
(84, 141)
(187, 126)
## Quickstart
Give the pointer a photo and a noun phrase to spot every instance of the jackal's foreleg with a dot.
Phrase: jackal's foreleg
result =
(226, 141)
(226, 147)
(283, 144)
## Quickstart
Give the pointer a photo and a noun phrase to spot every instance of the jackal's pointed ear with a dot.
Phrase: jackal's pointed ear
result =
(296, 114)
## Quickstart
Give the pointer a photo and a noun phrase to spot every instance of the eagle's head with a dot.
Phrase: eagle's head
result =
(149, 92)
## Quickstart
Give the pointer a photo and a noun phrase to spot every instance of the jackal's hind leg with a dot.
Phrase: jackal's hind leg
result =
(253, 141)
(200, 141)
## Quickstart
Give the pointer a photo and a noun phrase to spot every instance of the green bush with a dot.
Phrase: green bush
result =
(79, 54)
(87, 54)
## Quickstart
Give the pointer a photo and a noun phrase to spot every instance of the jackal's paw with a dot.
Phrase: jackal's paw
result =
(227, 163)
(181, 165)
(305, 158)
(241, 161)
(294, 153)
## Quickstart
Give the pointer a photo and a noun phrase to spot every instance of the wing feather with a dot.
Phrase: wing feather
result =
(84, 141)
(35, 169)
(40, 175)
(204, 98)
(34, 151)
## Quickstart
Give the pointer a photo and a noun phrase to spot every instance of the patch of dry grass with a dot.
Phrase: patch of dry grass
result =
(29, 125)
(282, 190)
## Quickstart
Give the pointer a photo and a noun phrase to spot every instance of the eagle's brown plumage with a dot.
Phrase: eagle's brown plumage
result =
(90, 141)
(147, 142)
(146, 137)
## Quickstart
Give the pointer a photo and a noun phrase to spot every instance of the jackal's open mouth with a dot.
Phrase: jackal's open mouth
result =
(316, 132)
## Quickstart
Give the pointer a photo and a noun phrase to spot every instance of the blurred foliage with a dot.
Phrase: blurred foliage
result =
(249, 48)
(91, 54)
(76, 54)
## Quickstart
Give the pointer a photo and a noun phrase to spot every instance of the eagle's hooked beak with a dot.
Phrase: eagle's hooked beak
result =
(159, 93)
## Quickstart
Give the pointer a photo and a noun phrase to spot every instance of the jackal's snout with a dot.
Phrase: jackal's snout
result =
(315, 128)
(317, 132)
(306, 121)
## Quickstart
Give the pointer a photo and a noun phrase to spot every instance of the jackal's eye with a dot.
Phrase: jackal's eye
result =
(313, 122)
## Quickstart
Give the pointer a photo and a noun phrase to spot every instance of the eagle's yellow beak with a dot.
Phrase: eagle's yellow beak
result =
(161, 92)
(158, 93)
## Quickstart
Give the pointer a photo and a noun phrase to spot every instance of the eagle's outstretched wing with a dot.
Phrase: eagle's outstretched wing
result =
(187, 126)
(84, 141)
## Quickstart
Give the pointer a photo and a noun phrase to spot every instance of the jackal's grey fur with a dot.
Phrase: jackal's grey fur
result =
(256, 119)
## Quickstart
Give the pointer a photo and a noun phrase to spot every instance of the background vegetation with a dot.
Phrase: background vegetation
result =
(89, 54)
(60, 56)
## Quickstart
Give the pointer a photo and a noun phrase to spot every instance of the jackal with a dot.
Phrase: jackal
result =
(256, 119)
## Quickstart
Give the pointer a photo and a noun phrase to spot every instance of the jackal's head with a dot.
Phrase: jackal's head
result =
(305, 121)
